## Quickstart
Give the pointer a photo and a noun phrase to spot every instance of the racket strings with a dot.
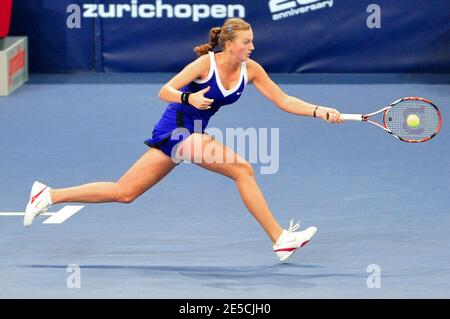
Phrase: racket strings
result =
(396, 120)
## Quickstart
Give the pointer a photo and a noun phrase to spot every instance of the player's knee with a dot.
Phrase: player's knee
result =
(126, 200)
(244, 169)
(125, 196)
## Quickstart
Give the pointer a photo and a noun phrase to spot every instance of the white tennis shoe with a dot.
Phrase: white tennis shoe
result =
(40, 201)
(290, 240)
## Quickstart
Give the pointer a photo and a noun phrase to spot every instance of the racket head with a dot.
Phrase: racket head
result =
(395, 119)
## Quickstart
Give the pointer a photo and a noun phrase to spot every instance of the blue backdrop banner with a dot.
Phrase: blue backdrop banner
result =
(327, 36)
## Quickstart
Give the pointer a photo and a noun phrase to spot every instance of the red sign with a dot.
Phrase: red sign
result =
(16, 64)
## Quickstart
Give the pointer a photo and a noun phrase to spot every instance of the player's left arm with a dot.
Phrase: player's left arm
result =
(287, 103)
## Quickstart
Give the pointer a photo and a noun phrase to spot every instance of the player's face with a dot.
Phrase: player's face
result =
(242, 46)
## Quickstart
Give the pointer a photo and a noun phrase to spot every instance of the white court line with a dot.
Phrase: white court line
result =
(21, 214)
(65, 213)
(55, 218)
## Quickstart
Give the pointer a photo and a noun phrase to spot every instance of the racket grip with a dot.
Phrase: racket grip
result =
(351, 117)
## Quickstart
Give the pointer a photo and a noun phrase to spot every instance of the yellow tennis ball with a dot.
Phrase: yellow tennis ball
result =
(413, 121)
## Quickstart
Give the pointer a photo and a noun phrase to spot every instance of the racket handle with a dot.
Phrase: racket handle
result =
(351, 117)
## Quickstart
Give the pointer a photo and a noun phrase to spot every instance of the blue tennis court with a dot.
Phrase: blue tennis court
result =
(381, 206)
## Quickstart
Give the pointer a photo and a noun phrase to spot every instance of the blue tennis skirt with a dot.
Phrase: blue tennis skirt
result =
(173, 128)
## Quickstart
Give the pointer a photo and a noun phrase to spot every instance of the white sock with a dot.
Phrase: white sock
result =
(49, 198)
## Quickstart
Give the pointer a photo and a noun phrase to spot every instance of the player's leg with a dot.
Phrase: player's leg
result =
(145, 173)
(204, 151)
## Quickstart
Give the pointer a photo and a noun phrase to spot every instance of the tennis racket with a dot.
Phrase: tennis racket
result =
(411, 119)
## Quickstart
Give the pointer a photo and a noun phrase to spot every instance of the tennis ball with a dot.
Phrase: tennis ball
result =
(413, 121)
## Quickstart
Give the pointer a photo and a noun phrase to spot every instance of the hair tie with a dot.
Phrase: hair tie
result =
(230, 29)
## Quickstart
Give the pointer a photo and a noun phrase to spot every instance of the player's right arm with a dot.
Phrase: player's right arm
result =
(170, 92)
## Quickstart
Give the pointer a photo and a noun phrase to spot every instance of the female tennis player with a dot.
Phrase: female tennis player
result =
(194, 95)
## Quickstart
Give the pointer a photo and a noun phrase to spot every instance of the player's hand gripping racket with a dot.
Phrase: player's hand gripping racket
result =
(411, 119)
